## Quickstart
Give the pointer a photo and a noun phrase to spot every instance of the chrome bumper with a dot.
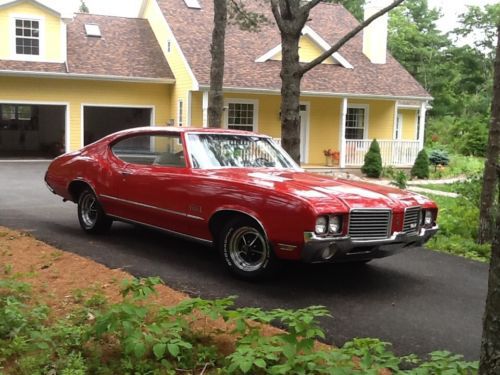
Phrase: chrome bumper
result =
(344, 249)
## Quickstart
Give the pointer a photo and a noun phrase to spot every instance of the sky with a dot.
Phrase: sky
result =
(130, 8)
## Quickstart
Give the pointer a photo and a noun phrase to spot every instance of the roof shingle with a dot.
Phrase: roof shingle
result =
(331, 21)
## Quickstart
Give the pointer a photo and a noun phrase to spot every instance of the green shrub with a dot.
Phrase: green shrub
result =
(421, 167)
(400, 180)
(439, 157)
(373, 161)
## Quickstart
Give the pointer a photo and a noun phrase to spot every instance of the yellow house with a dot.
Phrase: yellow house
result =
(83, 76)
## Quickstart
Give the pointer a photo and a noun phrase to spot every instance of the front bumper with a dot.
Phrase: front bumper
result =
(345, 249)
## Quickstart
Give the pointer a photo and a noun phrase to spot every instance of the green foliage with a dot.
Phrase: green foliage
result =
(458, 226)
(83, 7)
(420, 168)
(400, 179)
(136, 337)
(372, 166)
(439, 157)
(355, 7)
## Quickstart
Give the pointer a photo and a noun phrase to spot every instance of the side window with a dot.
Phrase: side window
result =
(154, 149)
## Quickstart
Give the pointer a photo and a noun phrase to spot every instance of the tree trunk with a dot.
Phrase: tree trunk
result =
(215, 94)
(490, 343)
(290, 96)
(486, 213)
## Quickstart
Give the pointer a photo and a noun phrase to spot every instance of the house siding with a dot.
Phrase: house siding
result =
(308, 51)
(76, 93)
(184, 81)
(52, 29)
(197, 109)
(380, 117)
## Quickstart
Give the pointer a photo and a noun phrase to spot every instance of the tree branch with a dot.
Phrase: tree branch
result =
(309, 5)
(276, 14)
(305, 68)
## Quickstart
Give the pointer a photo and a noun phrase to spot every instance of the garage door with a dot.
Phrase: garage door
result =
(101, 121)
(32, 130)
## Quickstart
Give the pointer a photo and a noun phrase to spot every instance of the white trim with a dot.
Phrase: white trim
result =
(366, 107)
(41, 37)
(336, 56)
(398, 131)
(152, 120)
(395, 119)
(41, 102)
(189, 114)
(204, 107)
(242, 90)
(343, 114)
(64, 41)
(33, 2)
(255, 103)
(421, 125)
(305, 157)
(196, 85)
(93, 77)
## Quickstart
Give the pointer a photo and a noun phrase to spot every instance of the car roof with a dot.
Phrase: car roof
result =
(176, 129)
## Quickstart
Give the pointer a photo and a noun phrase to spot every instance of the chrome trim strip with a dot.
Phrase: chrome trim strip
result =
(174, 233)
(153, 207)
(285, 247)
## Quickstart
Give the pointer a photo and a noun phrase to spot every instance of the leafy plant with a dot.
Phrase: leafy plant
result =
(400, 180)
(439, 157)
(372, 166)
(420, 168)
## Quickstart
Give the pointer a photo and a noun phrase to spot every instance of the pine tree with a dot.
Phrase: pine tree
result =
(373, 161)
(83, 7)
(421, 167)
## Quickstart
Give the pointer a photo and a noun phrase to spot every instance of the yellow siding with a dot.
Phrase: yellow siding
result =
(75, 92)
(409, 123)
(51, 27)
(380, 117)
(197, 109)
(324, 125)
(308, 51)
(183, 80)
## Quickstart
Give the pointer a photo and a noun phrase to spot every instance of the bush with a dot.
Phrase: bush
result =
(439, 157)
(373, 161)
(421, 167)
(400, 180)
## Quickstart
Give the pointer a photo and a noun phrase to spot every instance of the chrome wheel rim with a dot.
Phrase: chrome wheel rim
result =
(88, 210)
(248, 249)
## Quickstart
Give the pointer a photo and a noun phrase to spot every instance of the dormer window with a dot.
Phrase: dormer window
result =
(193, 4)
(27, 37)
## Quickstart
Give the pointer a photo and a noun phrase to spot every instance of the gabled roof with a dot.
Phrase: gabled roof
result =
(193, 29)
(9, 3)
(316, 38)
(127, 50)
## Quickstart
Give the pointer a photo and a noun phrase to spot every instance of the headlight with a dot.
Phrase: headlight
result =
(335, 224)
(321, 225)
(428, 218)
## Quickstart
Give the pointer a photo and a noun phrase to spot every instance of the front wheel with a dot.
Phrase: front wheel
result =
(245, 250)
(91, 216)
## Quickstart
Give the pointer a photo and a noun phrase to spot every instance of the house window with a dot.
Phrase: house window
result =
(27, 37)
(180, 109)
(355, 123)
(241, 116)
(14, 117)
(399, 127)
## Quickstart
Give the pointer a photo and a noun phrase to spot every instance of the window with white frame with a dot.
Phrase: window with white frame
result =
(355, 123)
(180, 110)
(241, 116)
(27, 37)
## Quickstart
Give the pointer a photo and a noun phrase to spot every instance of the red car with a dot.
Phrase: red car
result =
(239, 191)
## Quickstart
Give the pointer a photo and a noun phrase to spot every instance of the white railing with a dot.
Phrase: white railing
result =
(395, 153)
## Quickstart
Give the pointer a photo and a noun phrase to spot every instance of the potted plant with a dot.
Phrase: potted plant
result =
(332, 157)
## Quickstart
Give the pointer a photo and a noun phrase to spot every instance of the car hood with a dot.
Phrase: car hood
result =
(325, 193)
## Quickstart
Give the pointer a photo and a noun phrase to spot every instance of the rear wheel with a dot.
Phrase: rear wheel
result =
(91, 216)
(245, 250)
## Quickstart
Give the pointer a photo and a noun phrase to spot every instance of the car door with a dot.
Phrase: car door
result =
(150, 178)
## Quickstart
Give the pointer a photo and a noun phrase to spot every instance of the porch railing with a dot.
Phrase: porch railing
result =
(395, 153)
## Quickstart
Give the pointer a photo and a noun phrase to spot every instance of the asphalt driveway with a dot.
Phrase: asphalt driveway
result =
(419, 300)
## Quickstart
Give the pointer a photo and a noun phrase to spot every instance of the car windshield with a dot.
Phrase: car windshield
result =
(236, 151)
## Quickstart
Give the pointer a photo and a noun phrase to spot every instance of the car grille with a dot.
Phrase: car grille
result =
(412, 219)
(369, 224)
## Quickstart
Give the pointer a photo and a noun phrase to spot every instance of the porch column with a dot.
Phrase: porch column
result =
(343, 114)
(205, 108)
(421, 125)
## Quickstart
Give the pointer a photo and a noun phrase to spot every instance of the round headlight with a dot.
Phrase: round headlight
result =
(321, 225)
(428, 217)
(334, 224)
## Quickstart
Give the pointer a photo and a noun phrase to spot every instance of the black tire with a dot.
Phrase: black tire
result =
(91, 216)
(245, 250)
